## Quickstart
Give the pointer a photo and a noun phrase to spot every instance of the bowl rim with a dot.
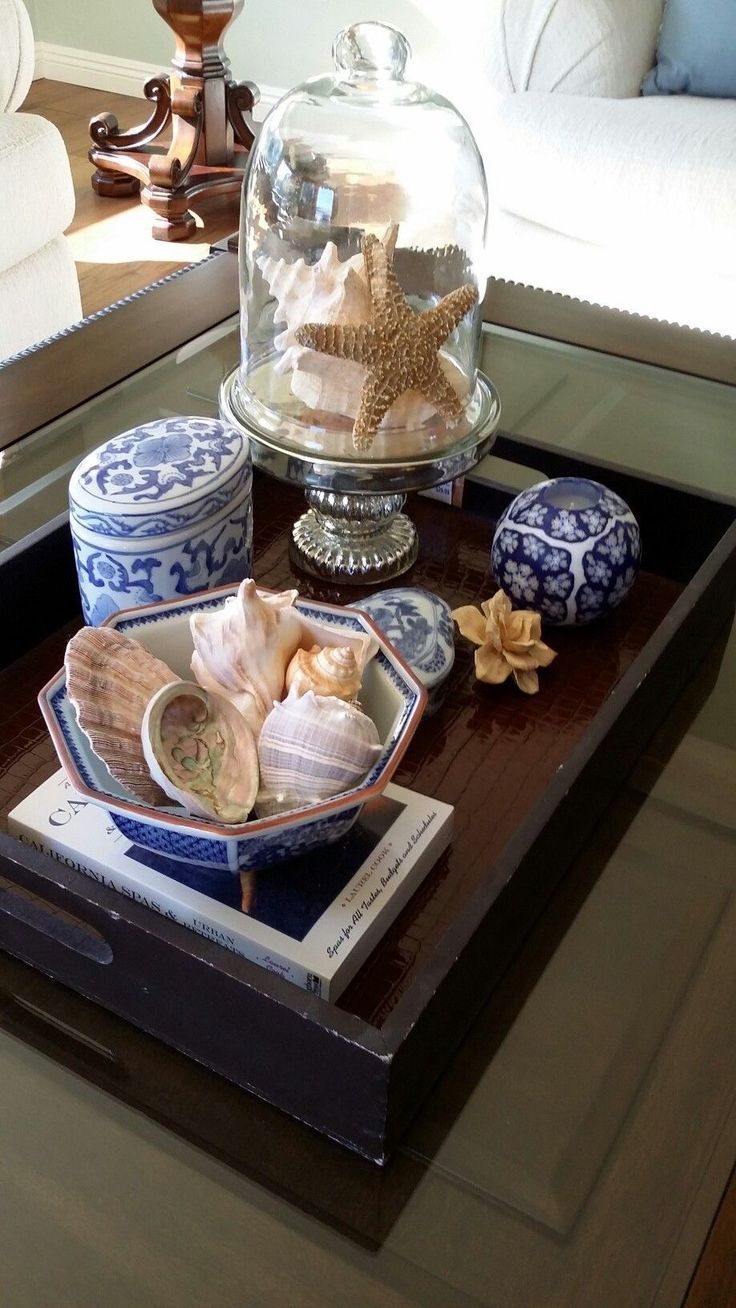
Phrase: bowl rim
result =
(243, 830)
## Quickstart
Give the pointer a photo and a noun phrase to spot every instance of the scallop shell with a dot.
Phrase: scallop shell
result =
(201, 751)
(312, 747)
(329, 670)
(110, 679)
(242, 650)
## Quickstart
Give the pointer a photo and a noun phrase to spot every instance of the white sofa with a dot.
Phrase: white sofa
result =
(596, 191)
(39, 290)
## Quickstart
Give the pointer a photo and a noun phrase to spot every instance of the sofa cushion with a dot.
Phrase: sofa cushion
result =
(574, 47)
(632, 278)
(658, 171)
(696, 50)
(39, 296)
(16, 54)
(35, 185)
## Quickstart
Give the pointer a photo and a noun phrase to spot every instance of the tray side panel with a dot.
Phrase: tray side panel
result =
(196, 997)
(249, 1135)
(477, 950)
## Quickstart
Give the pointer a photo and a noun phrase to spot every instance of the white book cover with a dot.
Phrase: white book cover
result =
(314, 920)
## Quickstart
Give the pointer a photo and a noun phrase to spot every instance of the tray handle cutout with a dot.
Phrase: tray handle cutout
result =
(27, 1018)
(41, 915)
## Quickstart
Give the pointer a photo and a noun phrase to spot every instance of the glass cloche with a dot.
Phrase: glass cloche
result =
(361, 275)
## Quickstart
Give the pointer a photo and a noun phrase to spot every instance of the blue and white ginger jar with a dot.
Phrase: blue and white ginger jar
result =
(568, 548)
(160, 511)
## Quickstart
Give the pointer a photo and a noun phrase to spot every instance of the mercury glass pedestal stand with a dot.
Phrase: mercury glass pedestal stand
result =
(354, 531)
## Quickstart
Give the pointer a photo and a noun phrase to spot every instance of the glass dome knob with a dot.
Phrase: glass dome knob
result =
(371, 51)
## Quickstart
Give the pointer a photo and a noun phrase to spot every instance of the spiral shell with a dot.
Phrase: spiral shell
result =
(329, 290)
(110, 679)
(312, 747)
(242, 650)
(201, 751)
(330, 670)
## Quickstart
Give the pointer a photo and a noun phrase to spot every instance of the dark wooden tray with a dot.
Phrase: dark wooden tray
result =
(529, 777)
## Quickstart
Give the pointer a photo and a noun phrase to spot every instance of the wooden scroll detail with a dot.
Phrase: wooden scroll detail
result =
(104, 129)
(241, 99)
(210, 118)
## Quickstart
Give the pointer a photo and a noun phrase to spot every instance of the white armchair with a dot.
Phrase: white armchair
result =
(596, 191)
(39, 290)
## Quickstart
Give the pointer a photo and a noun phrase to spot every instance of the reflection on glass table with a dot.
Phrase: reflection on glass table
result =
(658, 423)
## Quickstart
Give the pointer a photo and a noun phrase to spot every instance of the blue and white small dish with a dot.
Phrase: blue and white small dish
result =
(568, 548)
(390, 694)
(419, 625)
(162, 510)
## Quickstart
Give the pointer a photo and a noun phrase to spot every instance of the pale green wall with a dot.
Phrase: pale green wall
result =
(274, 42)
(130, 29)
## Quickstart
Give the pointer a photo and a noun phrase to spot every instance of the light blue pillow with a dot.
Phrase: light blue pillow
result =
(696, 50)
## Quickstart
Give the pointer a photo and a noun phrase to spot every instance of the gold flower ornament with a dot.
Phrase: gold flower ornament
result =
(508, 642)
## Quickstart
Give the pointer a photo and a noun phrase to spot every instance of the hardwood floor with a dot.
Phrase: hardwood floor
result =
(114, 250)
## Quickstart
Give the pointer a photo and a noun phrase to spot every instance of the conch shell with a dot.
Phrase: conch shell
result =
(110, 679)
(332, 288)
(330, 670)
(242, 650)
(310, 748)
(201, 751)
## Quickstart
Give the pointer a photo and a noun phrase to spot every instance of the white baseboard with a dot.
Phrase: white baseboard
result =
(104, 72)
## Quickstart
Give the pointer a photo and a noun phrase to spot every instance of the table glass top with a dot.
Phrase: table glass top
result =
(575, 1151)
(653, 421)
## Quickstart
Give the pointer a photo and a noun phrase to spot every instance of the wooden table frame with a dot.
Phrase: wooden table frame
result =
(210, 117)
(139, 330)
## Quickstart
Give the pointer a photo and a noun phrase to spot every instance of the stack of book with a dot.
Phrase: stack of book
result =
(314, 919)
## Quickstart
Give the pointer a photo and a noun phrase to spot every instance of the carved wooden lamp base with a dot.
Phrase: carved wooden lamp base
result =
(211, 128)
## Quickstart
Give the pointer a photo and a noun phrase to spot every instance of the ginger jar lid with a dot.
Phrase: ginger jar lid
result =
(365, 199)
(160, 477)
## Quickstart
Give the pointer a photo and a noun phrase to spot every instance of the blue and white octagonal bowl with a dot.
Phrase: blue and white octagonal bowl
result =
(391, 694)
(568, 548)
(162, 510)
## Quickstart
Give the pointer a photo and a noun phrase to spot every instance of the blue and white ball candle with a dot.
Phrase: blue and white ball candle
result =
(568, 548)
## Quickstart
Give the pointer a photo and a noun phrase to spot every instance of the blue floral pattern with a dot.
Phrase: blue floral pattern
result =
(570, 563)
(519, 581)
(419, 624)
(183, 468)
(163, 522)
(118, 578)
(264, 849)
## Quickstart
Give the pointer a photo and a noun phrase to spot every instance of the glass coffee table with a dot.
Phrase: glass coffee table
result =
(576, 1151)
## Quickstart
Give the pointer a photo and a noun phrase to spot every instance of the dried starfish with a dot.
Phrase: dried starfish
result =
(509, 641)
(399, 347)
